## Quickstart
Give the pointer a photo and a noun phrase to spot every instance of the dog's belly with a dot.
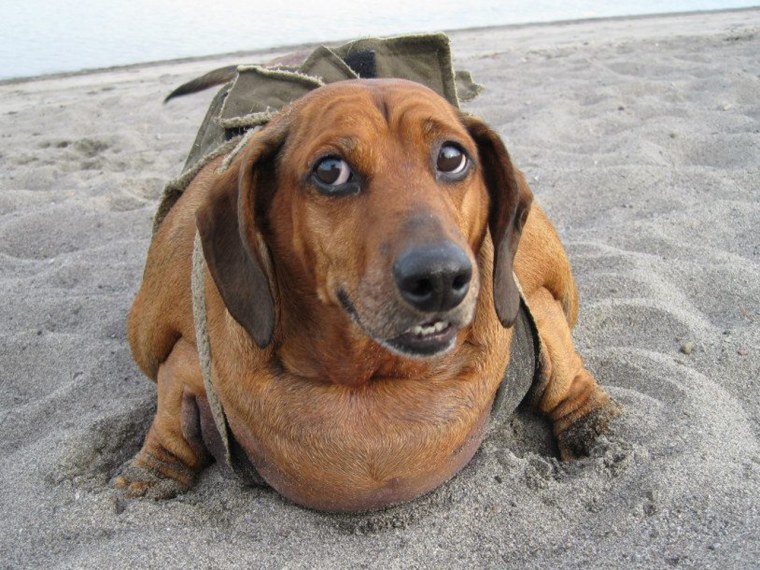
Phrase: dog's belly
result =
(350, 467)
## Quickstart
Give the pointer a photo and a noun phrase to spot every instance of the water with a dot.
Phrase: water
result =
(47, 36)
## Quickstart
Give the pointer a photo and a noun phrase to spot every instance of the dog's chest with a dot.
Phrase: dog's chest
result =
(354, 450)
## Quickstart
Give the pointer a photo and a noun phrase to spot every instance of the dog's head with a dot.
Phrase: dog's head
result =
(373, 198)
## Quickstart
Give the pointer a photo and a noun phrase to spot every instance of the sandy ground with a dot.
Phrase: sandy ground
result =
(642, 140)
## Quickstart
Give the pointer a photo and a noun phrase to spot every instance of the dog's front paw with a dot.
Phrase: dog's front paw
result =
(138, 479)
(578, 438)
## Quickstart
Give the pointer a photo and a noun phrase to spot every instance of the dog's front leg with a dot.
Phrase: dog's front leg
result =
(173, 451)
(578, 407)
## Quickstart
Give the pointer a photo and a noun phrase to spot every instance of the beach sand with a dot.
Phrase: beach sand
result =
(641, 138)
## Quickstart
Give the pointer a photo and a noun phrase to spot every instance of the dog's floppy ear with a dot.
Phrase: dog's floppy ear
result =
(233, 246)
(510, 204)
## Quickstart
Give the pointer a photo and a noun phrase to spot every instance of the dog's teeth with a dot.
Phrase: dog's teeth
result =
(435, 328)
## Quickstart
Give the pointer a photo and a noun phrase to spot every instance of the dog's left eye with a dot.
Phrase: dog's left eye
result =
(451, 160)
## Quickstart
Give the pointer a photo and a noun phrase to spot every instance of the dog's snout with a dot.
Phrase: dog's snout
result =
(433, 277)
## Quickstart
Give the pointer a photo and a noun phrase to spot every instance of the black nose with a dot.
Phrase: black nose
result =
(433, 277)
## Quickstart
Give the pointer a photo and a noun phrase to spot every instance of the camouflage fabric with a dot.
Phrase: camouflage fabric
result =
(258, 92)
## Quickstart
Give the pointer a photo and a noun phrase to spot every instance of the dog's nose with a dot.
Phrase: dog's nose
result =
(434, 277)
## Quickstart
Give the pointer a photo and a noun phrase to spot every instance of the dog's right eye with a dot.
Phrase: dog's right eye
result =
(333, 171)
(333, 175)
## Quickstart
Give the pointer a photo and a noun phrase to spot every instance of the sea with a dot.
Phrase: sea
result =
(53, 36)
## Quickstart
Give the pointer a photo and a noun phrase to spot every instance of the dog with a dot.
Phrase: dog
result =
(360, 295)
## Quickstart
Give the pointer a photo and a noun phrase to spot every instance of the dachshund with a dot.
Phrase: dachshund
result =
(364, 260)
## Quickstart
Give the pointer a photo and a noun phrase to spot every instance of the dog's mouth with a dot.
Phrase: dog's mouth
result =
(429, 338)
(425, 339)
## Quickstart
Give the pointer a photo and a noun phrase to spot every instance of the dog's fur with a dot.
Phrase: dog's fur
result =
(302, 305)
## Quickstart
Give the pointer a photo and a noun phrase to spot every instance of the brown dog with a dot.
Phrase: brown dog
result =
(360, 296)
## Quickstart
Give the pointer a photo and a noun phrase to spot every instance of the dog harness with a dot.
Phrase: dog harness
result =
(248, 102)
(522, 374)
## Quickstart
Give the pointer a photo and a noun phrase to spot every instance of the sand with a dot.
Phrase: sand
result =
(641, 138)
